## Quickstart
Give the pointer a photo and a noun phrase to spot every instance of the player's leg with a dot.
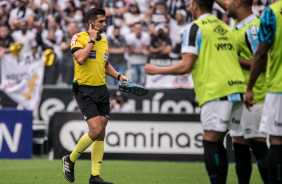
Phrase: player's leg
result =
(271, 124)
(215, 156)
(257, 141)
(260, 150)
(243, 159)
(243, 162)
(224, 158)
(214, 118)
(242, 153)
(275, 159)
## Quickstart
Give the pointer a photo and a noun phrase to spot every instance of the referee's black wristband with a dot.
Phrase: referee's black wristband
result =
(118, 76)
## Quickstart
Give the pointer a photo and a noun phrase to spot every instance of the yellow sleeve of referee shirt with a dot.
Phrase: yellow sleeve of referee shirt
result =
(77, 41)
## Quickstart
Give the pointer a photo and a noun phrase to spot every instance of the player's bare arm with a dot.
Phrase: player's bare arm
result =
(184, 67)
(246, 64)
(258, 66)
(110, 71)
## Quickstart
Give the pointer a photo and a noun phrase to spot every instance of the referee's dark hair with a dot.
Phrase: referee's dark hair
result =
(205, 4)
(93, 12)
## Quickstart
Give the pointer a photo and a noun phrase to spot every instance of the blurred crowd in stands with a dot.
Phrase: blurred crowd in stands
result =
(136, 31)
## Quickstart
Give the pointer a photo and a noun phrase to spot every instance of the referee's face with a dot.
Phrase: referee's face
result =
(100, 23)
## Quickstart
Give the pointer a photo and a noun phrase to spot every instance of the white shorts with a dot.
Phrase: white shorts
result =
(271, 121)
(221, 116)
(250, 122)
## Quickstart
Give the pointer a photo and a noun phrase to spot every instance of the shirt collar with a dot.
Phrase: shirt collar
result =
(246, 21)
(204, 15)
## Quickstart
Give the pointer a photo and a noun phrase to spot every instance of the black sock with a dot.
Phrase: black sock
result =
(213, 162)
(275, 163)
(243, 162)
(224, 160)
(260, 150)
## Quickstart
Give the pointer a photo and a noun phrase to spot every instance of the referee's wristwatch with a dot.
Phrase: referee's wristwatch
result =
(91, 41)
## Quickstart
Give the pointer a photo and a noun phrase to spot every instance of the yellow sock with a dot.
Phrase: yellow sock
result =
(97, 154)
(83, 143)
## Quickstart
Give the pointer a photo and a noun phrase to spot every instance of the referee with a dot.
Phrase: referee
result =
(90, 53)
(209, 52)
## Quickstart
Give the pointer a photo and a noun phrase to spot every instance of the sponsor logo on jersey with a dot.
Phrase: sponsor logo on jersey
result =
(223, 38)
(231, 83)
(223, 121)
(209, 21)
(278, 124)
(224, 46)
(235, 121)
(220, 30)
(74, 39)
(248, 131)
(92, 54)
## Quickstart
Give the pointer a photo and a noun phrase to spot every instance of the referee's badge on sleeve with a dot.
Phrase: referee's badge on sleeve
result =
(106, 57)
(74, 38)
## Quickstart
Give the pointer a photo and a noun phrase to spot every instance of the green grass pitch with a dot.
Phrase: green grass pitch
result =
(119, 172)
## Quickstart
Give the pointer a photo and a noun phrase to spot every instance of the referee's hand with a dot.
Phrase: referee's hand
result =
(93, 32)
(123, 78)
(249, 100)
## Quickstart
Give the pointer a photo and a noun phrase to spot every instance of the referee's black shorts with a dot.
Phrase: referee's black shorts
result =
(93, 101)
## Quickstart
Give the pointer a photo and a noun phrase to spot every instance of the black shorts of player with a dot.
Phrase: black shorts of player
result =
(93, 101)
